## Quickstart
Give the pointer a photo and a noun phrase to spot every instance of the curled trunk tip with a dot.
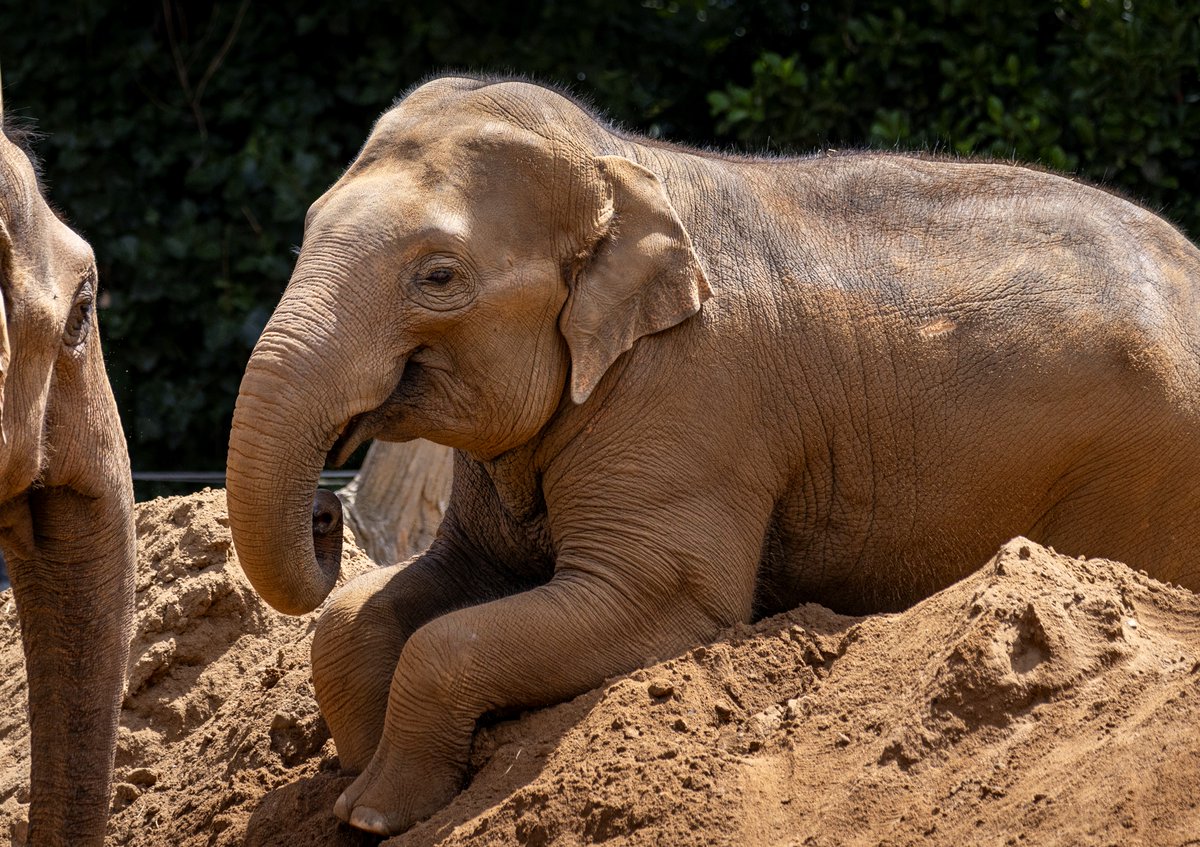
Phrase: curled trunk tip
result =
(327, 532)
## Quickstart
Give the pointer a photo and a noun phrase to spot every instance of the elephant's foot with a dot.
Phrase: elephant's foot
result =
(389, 797)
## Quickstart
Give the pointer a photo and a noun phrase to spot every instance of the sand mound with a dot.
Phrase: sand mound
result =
(219, 706)
(1043, 700)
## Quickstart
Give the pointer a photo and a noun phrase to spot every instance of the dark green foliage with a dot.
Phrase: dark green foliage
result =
(186, 140)
(1106, 90)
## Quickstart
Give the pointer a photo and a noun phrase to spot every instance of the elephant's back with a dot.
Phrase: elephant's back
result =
(985, 351)
(915, 257)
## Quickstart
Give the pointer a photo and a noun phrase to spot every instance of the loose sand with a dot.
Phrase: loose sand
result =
(1044, 700)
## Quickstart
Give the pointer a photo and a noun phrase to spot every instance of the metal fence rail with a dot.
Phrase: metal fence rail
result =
(210, 478)
(217, 478)
(213, 478)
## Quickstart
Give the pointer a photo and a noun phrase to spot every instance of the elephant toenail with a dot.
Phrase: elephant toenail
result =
(342, 807)
(370, 820)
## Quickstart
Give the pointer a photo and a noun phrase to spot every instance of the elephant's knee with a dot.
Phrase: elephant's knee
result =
(436, 664)
(338, 629)
(356, 621)
(355, 647)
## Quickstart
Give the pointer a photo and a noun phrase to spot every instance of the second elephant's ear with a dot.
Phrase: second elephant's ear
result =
(642, 276)
(5, 349)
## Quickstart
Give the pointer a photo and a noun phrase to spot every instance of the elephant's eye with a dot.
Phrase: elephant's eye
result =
(443, 285)
(80, 319)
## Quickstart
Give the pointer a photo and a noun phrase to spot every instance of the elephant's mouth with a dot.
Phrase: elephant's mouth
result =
(16, 527)
(347, 442)
(367, 425)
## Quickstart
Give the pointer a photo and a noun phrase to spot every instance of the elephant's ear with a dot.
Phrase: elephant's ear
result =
(641, 277)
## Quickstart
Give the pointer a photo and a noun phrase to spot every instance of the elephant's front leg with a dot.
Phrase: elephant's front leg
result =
(541, 646)
(361, 633)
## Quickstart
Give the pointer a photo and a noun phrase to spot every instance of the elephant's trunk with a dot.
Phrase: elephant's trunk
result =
(318, 365)
(74, 594)
(288, 542)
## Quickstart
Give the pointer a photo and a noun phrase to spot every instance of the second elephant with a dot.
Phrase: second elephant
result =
(66, 507)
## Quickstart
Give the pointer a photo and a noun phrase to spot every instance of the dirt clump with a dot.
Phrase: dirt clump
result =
(1043, 700)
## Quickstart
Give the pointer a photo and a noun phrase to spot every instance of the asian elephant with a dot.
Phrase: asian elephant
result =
(685, 389)
(66, 508)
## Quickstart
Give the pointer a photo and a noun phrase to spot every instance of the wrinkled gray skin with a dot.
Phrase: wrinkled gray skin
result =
(66, 509)
(687, 389)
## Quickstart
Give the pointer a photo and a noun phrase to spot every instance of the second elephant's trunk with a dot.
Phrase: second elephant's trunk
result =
(75, 601)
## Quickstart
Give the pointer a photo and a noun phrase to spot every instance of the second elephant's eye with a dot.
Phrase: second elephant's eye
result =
(78, 324)
(440, 276)
(79, 321)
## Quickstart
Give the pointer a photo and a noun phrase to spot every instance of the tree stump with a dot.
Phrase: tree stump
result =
(396, 502)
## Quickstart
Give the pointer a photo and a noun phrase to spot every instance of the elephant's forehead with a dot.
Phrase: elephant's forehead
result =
(52, 257)
(18, 186)
(386, 205)
(452, 143)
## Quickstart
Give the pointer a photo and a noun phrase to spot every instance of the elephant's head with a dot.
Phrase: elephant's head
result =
(66, 506)
(484, 260)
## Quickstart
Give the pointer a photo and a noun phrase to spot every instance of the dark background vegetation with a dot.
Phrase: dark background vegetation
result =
(186, 140)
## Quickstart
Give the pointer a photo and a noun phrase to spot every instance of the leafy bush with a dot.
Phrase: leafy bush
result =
(185, 140)
(1106, 89)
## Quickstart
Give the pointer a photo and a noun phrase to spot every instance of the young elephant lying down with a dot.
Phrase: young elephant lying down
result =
(686, 389)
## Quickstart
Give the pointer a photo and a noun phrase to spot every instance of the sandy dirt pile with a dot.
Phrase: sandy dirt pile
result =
(1044, 700)
(219, 706)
